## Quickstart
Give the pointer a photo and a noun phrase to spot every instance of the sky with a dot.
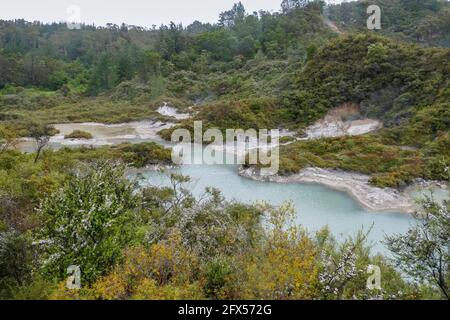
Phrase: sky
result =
(143, 13)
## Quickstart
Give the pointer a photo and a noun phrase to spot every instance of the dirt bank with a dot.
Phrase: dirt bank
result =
(355, 184)
(345, 120)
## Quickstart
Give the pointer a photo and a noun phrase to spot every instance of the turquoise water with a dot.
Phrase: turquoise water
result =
(317, 206)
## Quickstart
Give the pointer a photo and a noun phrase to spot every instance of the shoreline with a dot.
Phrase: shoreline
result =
(151, 167)
(355, 185)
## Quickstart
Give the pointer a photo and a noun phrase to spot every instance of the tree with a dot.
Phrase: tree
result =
(248, 47)
(230, 17)
(86, 222)
(170, 40)
(288, 5)
(104, 74)
(124, 68)
(221, 44)
(424, 251)
(151, 65)
(15, 260)
(8, 70)
(417, 5)
(41, 133)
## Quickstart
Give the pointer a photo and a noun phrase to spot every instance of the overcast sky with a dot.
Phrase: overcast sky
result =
(135, 12)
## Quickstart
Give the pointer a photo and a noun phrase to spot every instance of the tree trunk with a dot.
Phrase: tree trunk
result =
(38, 152)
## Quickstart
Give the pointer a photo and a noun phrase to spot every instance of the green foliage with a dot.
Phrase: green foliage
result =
(389, 164)
(220, 44)
(423, 252)
(283, 263)
(86, 223)
(78, 134)
(8, 137)
(390, 80)
(41, 133)
(255, 113)
(95, 60)
(38, 288)
(209, 226)
(261, 70)
(143, 154)
(174, 246)
(217, 272)
(23, 184)
(345, 266)
(427, 125)
(423, 21)
(15, 261)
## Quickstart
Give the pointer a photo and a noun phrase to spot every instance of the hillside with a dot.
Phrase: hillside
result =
(423, 21)
(260, 70)
(390, 80)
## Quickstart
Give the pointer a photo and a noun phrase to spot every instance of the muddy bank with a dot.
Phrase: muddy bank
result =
(355, 184)
(171, 112)
(439, 190)
(102, 134)
(345, 120)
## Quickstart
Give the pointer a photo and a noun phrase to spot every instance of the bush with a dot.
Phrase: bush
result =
(78, 134)
(85, 223)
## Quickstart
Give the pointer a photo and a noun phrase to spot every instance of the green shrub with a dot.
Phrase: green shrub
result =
(86, 223)
(78, 134)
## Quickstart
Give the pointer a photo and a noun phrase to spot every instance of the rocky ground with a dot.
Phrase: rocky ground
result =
(168, 111)
(102, 134)
(355, 184)
(347, 120)
(341, 121)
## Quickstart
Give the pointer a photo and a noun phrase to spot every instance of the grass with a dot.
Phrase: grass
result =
(389, 165)
(46, 107)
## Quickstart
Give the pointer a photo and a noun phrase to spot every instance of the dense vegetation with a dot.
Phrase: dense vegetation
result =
(162, 243)
(254, 64)
(259, 70)
(390, 80)
(423, 21)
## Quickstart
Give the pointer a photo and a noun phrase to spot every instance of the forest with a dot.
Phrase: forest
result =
(283, 69)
